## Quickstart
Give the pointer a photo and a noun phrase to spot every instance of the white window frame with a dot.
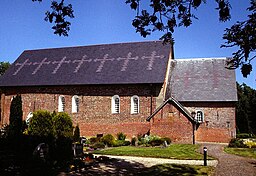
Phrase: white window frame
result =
(199, 116)
(115, 105)
(134, 109)
(29, 116)
(61, 104)
(75, 104)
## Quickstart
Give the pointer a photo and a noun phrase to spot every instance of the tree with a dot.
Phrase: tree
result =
(243, 35)
(3, 67)
(63, 126)
(46, 124)
(41, 124)
(16, 116)
(245, 109)
(166, 15)
(76, 137)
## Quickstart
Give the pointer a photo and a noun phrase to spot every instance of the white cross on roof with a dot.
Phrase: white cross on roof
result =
(21, 66)
(40, 64)
(126, 60)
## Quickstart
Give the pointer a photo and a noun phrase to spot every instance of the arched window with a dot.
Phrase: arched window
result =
(115, 104)
(135, 107)
(61, 105)
(75, 104)
(199, 116)
(29, 116)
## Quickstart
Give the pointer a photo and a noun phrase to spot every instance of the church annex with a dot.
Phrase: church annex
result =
(132, 88)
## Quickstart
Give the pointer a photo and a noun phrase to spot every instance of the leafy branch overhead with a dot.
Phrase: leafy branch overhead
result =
(243, 35)
(58, 14)
(166, 15)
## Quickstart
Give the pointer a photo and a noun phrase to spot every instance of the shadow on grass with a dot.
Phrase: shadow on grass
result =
(110, 166)
(177, 170)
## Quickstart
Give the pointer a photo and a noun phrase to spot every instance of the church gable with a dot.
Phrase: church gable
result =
(124, 63)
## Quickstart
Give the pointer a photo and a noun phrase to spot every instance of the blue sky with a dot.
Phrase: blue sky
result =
(109, 21)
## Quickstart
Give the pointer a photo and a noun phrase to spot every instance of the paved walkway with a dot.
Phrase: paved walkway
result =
(227, 165)
(231, 165)
(148, 162)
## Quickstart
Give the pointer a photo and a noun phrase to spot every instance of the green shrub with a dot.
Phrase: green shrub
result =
(121, 136)
(119, 143)
(76, 136)
(108, 140)
(244, 135)
(168, 140)
(15, 126)
(98, 145)
(156, 142)
(236, 143)
(139, 137)
(63, 126)
(133, 141)
(41, 124)
(93, 140)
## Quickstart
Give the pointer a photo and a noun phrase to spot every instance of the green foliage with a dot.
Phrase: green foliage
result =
(121, 136)
(41, 124)
(236, 143)
(118, 143)
(246, 152)
(133, 141)
(45, 124)
(245, 109)
(108, 140)
(168, 140)
(156, 142)
(165, 16)
(242, 35)
(76, 137)
(3, 67)
(15, 128)
(245, 135)
(152, 140)
(94, 140)
(98, 145)
(58, 15)
(63, 126)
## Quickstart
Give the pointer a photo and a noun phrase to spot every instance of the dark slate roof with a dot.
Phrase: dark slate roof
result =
(123, 63)
(202, 80)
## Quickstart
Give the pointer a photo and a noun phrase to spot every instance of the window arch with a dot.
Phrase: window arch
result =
(199, 116)
(135, 104)
(75, 104)
(61, 105)
(115, 104)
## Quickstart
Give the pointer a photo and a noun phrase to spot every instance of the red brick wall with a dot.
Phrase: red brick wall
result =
(95, 117)
(170, 122)
(219, 121)
(94, 114)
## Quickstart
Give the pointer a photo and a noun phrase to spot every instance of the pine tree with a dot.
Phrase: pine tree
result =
(16, 116)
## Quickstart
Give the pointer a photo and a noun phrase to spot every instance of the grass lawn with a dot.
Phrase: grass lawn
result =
(178, 170)
(246, 152)
(174, 151)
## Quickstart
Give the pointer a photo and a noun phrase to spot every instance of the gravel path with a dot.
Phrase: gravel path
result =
(227, 165)
(231, 165)
(148, 162)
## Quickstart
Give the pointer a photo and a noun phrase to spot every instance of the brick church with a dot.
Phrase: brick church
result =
(134, 88)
